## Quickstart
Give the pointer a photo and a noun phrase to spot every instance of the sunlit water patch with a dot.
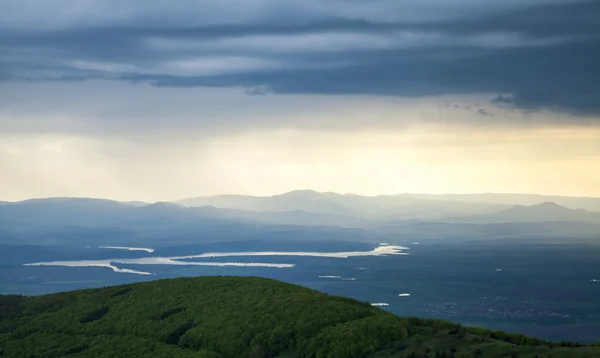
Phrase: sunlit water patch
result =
(127, 248)
(339, 278)
(383, 250)
(152, 261)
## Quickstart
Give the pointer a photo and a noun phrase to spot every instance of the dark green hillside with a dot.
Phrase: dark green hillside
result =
(238, 317)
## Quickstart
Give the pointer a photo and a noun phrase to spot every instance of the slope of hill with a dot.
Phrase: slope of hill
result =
(239, 317)
(544, 212)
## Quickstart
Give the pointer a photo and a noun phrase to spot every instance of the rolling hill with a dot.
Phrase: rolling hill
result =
(239, 317)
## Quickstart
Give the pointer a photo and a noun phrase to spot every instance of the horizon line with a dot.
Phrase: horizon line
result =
(298, 191)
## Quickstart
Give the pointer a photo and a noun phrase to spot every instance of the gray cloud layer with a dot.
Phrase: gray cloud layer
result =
(541, 53)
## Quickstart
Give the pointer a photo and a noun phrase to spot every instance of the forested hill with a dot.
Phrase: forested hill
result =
(239, 317)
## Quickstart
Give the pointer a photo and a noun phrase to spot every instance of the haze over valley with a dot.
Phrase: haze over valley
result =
(410, 254)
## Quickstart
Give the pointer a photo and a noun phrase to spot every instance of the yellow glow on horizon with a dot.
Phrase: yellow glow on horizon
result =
(427, 159)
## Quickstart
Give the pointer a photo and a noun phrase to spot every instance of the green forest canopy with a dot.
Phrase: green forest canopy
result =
(240, 317)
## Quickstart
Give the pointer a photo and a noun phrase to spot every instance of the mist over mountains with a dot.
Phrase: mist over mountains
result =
(474, 208)
(516, 199)
(544, 212)
(452, 247)
(295, 215)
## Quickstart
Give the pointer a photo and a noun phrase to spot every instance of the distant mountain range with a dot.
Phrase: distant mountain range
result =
(547, 211)
(302, 207)
(515, 199)
(382, 208)
(302, 215)
(499, 208)
(298, 200)
(100, 212)
(68, 221)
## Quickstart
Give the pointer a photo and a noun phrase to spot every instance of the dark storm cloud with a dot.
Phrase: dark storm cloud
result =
(544, 54)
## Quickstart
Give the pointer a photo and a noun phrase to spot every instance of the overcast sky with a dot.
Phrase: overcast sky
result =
(161, 100)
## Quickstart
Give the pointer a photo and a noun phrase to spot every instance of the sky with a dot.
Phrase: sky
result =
(162, 100)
